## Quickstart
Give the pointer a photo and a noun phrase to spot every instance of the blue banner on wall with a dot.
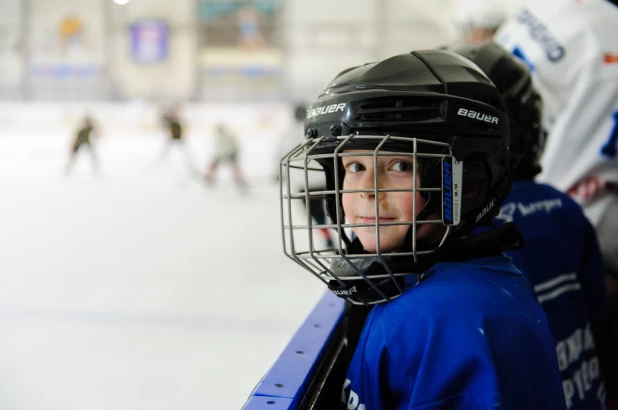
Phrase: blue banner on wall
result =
(149, 41)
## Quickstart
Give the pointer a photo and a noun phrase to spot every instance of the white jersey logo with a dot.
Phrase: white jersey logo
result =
(352, 401)
(507, 212)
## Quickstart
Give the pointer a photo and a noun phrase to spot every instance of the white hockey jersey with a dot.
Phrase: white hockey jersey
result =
(571, 47)
(225, 143)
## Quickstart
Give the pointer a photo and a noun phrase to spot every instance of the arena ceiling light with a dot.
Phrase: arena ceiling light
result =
(121, 2)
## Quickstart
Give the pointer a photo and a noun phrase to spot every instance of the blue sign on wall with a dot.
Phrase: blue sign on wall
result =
(149, 41)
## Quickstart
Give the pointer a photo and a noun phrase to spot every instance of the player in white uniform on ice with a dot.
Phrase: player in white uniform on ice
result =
(226, 150)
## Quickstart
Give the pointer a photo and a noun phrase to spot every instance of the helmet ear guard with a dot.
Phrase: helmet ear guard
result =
(482, 202)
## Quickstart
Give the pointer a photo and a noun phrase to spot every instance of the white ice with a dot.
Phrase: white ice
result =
(139, 288)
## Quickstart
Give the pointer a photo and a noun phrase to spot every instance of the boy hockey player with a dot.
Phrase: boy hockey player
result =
(413, 150)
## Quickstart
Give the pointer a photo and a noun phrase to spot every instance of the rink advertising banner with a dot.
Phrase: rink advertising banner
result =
(67, 38)
(149, 41)
(238, 44)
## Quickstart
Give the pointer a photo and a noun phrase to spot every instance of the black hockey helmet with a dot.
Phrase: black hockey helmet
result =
(432, 105)
(524, 105)
(300, 112)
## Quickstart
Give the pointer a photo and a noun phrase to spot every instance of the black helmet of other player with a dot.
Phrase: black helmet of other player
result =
(523, 103)
(300, 112)
(433, 106)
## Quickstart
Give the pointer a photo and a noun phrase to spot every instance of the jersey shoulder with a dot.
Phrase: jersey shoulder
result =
(540, 191)
(476, 319)
(541, 204)
(462, 292)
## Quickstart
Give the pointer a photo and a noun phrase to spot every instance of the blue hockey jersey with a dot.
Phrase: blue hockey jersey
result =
(468, 336)
(563, 262)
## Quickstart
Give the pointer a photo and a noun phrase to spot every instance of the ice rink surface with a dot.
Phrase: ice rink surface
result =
(140, 288)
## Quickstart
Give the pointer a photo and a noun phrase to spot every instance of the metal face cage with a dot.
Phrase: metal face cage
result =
(303, 178)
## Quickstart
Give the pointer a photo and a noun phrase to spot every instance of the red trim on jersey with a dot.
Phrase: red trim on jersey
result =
(610, 58)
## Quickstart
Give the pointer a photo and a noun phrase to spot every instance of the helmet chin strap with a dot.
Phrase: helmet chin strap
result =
(492, 243)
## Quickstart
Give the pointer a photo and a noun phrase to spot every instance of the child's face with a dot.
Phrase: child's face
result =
(479, 35)
(359, 208)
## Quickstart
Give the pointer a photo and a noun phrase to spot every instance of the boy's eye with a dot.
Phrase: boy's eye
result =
(355, 167)
(402, 166)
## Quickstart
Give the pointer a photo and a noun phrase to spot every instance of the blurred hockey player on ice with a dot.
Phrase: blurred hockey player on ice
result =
(226, 150)
(291, 137)
(478, 20)
(571, 48)
(83, 139)
(316, 206)
(172, 122)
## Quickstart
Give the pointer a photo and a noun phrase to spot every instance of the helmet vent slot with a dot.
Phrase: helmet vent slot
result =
(399, 110)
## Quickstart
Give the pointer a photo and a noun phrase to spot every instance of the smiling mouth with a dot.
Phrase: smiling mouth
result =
(372, 220)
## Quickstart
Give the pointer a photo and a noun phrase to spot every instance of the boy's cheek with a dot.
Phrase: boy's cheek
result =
(347, 202)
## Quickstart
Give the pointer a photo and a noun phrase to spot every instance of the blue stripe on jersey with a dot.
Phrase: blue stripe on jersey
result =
(517, 52)
(609, 149)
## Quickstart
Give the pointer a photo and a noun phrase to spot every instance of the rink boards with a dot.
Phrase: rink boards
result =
(300, 376)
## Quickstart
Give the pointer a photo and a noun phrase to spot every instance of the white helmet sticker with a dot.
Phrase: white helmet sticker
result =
(464, 112)
(327, 109)
(452, 171)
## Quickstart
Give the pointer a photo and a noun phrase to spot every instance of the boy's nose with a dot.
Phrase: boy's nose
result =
(369, 183)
